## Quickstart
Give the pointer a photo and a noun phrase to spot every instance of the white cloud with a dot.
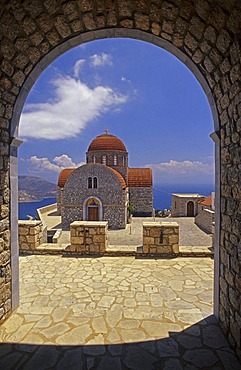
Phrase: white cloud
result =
(74, 106)
(124, 79)
(78, 65)
(100, 60)
(184, 167)
(187, 169)
(57, 164)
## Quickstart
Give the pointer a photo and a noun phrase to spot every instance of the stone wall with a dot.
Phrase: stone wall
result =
(121, 167)
(142, 198)
(161, 238)
(5, 283)
(31, 235)
(88, 237)
(59, 199)
(205, 219)
(205, 35)
(5, 252)
(109, 193)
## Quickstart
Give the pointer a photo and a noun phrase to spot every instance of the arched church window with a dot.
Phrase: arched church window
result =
(115, 160)
(104, 159)
(95, 182)
(94, 159)
(89, 182)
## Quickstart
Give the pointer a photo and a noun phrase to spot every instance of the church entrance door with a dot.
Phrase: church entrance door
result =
(190, 209)
(93, 213)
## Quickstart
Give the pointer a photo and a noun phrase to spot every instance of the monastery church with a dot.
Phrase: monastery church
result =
(105, 187)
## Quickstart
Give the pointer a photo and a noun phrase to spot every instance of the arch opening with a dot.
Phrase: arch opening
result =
(96, 208)
(190, 209)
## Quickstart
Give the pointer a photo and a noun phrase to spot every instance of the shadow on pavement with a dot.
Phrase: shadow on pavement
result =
(200, 346)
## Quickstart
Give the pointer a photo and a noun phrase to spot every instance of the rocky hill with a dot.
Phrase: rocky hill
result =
(33, 188)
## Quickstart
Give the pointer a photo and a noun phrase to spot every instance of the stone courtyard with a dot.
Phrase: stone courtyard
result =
(114, 313)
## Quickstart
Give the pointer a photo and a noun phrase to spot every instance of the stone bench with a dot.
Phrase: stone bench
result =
(160, 238)
(88, 237)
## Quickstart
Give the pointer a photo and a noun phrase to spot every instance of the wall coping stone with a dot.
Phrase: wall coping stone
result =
(89, 223)
(29, 222)
(161, 223)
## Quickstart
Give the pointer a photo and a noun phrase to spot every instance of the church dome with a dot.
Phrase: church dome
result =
(107, 142)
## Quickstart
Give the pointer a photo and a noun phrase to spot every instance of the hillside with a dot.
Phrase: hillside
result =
(33, 188)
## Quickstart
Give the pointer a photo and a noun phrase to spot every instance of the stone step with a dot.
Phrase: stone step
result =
(124, 250)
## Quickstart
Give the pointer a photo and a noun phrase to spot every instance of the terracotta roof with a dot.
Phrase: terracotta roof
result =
(64, 174)
(207, 201)
(139, 177)
(120, 177)
(107, 142)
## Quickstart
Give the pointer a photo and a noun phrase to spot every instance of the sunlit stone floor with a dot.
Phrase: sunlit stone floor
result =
(114, 313)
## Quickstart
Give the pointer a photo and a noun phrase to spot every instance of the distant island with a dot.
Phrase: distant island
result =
(31, 188)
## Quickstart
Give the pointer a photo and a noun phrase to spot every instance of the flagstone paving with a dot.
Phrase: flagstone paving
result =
(114, 313)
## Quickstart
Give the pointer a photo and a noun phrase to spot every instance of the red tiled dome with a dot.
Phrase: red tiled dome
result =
(106, 142)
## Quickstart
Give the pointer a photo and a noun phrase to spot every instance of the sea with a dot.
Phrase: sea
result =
(26, 209)
(162, 197)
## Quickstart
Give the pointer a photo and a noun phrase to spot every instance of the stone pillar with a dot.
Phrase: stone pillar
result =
(31, 235)
(213, 234)
(161, 237)
(88, 237)
(14, 221)
(215, 136)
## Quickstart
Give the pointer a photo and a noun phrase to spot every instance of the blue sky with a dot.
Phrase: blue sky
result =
(140, 92)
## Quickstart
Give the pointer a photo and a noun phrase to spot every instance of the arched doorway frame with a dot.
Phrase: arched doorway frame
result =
(25, 89)
(85, 206)
(193, 208)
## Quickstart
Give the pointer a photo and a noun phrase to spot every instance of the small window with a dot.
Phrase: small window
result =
(89, 182)
(124, 161)
(103, 159)
(95, 182)
(175, 205)
(93, 159)
(87, 159)
(115, 160)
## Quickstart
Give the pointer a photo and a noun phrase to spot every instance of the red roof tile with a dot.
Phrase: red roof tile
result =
(139, 177)
(120, 177)
(63, 176)
(207, 201)
(106, 142)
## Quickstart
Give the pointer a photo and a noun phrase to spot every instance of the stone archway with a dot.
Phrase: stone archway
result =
(204, 35)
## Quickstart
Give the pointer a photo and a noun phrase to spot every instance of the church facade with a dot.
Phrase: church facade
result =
(105, 188)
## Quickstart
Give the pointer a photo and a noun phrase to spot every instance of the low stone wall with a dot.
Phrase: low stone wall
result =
(161, 237)
(88, 237)
(205, 219)
(45, 209)
(31, 234)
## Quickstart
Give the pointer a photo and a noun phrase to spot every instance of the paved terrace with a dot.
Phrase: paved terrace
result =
(114, 313)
